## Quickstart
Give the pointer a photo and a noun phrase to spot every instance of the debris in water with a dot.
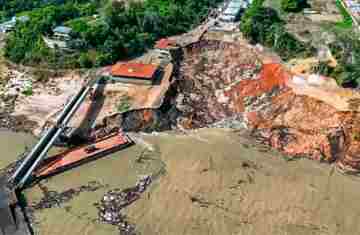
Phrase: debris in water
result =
(115, 200)
(55, 199)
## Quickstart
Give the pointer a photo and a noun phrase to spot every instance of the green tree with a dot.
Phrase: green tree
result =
(264, 26)
(293, 5)
(121, 30)
(258, 25)
(113, 13)
(85, 61)
(346, 50)
(103, 59)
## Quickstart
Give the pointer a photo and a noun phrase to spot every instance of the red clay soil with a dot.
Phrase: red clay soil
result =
(295, 125)
(271, 76)
(298, 126)
(301, 126)
(148, 115)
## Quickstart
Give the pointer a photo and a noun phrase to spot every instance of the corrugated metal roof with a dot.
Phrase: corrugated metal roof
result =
(62, 29)
(134, 70)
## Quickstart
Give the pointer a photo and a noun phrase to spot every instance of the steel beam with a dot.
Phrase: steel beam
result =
(60, 128)
(49, 133)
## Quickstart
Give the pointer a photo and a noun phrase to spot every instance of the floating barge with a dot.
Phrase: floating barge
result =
(79, 155)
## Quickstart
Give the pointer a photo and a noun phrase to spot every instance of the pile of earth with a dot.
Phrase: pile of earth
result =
(302, 126)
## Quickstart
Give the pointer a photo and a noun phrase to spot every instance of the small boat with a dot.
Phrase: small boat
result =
(79, 155)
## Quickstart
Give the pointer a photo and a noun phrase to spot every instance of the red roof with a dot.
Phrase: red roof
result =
(165, 43)
(134, 70)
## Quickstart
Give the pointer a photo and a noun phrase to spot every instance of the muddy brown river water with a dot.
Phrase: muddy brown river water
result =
(216, 182)
(12, 144)
(79, 216)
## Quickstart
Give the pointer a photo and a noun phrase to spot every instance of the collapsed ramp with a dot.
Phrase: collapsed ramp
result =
(37, 154)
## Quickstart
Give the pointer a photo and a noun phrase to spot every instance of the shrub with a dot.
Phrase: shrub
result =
(293, 5)
(264, 26)
(347, 20)
(124, 104)
(28, 91)
(346, 50)
(85, 61)
(102, 59)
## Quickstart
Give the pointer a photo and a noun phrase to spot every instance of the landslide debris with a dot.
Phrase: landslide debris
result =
(301, 116)
(236, 85)
(211, 68)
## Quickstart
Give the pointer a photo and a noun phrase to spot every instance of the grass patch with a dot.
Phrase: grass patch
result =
(124, 104)
(347, 22)
(28, 91)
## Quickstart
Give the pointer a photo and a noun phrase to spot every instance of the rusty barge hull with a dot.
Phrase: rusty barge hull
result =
(77, 156)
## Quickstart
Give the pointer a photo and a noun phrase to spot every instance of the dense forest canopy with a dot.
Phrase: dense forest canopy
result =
(9, 8)
(119, 31)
